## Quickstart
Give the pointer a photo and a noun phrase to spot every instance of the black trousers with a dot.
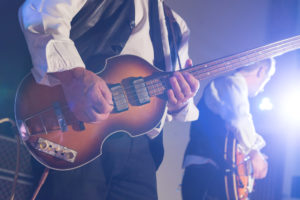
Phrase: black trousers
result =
(203, 182)
(125, 171)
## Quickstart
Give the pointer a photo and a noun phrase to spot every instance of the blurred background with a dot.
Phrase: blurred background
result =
(224, 28)
(218, 29)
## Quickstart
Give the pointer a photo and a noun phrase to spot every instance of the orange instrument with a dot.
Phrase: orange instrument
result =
(239, 180)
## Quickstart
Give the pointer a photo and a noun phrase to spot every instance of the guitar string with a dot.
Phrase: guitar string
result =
(267, 47)
(202, 70)
(236, 64)
(203, 73)
(247, 57)
(215, 65)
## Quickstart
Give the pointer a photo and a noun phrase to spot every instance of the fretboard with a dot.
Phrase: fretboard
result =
(158, 85)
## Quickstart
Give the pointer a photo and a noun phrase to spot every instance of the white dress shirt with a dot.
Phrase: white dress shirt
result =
(228, 97)
(47, 23)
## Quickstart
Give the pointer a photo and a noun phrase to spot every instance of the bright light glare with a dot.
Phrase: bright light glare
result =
(291, 106)
(266, 104)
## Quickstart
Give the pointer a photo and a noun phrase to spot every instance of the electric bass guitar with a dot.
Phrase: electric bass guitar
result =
(59, 141)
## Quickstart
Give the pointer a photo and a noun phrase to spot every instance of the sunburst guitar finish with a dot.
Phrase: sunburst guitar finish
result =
(59, 141)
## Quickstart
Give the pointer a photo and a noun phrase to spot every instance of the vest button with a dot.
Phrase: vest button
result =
(132, 24)
(117, 48)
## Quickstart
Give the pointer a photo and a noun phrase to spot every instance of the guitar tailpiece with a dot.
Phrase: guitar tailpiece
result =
(55, 150)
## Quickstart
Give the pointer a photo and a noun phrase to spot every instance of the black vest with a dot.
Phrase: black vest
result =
(102, 27)
(207, 135)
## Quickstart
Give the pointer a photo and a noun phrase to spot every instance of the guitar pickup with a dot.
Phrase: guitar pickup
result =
(119, 98)
(141, 91)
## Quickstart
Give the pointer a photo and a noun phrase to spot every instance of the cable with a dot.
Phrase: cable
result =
(41, 183)
(3, 120)
(17, 168)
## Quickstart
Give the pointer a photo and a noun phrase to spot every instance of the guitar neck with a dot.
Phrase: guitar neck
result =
(157, 86)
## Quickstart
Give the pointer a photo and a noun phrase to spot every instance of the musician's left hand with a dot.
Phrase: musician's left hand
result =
(184, 86)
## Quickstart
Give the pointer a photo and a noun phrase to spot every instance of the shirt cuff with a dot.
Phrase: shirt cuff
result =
(258, 145)
(189, 113)
(156, 131)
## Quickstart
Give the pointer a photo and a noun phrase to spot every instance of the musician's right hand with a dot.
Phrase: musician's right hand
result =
(259, 163)
(88, 96)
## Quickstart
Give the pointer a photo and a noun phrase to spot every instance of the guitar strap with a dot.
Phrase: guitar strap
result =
(174, 35)
(156, 144)
(155, 35)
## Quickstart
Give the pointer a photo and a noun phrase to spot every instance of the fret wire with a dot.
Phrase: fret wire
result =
(227, 61)
(236, 59)
(158, 87)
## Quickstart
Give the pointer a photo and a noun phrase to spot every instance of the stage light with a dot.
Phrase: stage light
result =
(290, 107)
(265, 104)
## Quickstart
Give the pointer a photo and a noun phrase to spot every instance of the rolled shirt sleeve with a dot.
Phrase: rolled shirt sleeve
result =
(228, 97)
(46, 25)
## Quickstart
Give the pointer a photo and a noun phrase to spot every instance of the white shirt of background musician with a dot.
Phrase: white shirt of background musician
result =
(47, 23)
(228, 97)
